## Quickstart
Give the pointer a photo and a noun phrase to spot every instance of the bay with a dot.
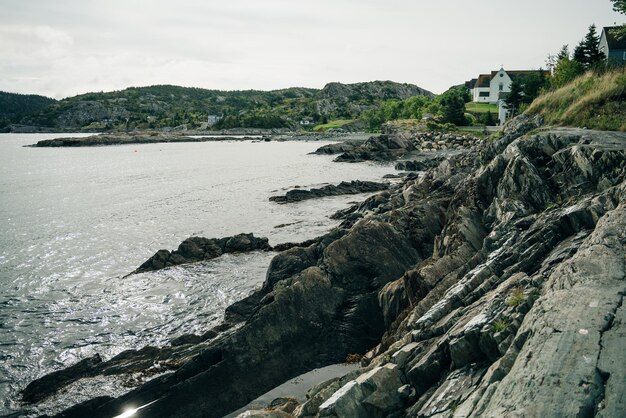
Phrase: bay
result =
(75, 221)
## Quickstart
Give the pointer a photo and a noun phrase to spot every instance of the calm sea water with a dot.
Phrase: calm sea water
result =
(74, 221)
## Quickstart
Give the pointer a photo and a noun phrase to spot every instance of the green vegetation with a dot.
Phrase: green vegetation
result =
(524, 89)
(620, 7)
(447, 108)
(516, 297)
(587, 52)
(591, 100)
(453, 106)
(587, 56)
(173, 106)
(333, 124)
(585, 89)
(13, 106)
(472, 107)
(499, 325)
(482, 113)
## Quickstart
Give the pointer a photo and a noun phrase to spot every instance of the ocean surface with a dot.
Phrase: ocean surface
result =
(75, 221)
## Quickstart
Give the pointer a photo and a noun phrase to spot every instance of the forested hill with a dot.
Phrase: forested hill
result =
(172, 106)
(13, 106)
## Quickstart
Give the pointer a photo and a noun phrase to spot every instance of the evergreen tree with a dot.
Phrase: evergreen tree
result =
(592, 47)
(579, 53)
(553, 60)
(565, 69)
(619, 6)
(563, 53)
(489, 120)
(587, 52)
(533, 84)
(515, 97)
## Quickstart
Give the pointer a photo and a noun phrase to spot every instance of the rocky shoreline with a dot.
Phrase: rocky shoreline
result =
(134, 138)
(492, 285)
(156, 137)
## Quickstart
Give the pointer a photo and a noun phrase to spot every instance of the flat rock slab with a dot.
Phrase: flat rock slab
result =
(343, 188)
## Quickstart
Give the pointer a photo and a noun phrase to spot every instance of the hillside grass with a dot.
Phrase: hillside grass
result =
(333, 124)
(592, 101)
(472, 107)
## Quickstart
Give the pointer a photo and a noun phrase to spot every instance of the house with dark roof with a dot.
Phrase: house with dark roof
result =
(613, 48)
(493, 87)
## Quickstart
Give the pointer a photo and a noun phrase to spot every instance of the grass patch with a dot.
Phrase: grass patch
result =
(333, 124)
(593, 101)
(472, 107)
(499, 326)
(516, 297)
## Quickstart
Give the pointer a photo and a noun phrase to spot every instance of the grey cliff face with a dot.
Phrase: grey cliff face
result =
(490, 285)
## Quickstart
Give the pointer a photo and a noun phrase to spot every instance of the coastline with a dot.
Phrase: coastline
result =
(443, 285)
(155, 137)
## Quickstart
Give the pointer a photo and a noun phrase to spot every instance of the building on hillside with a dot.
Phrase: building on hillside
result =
(213, 119)
(490, 88)
(613, 48)
(471, 84)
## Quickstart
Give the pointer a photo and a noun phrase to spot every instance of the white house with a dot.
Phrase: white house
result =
(490, 88)
(213, 119)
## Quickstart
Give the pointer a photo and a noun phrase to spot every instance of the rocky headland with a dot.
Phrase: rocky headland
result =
(183, 136)
(123, 138)
(490, 285)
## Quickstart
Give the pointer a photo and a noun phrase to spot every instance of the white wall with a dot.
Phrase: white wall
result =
(493, 89)
(476, 95)
(500, 78)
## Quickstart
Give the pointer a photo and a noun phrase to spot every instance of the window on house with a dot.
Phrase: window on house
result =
(624, 57)
(483, 94)
(501, 86)
(501, 74)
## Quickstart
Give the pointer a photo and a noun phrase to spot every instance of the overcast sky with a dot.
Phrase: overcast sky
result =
(60, 48)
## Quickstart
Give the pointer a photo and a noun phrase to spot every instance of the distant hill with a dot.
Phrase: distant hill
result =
(172, 106)
(13, 106)
(350, 100)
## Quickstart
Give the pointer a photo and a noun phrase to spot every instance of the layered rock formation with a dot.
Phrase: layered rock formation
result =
(490, 286)
(393, 144)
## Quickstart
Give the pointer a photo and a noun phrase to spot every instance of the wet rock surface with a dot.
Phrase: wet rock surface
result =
(492, 285)
(195, 249)
(343, 188)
